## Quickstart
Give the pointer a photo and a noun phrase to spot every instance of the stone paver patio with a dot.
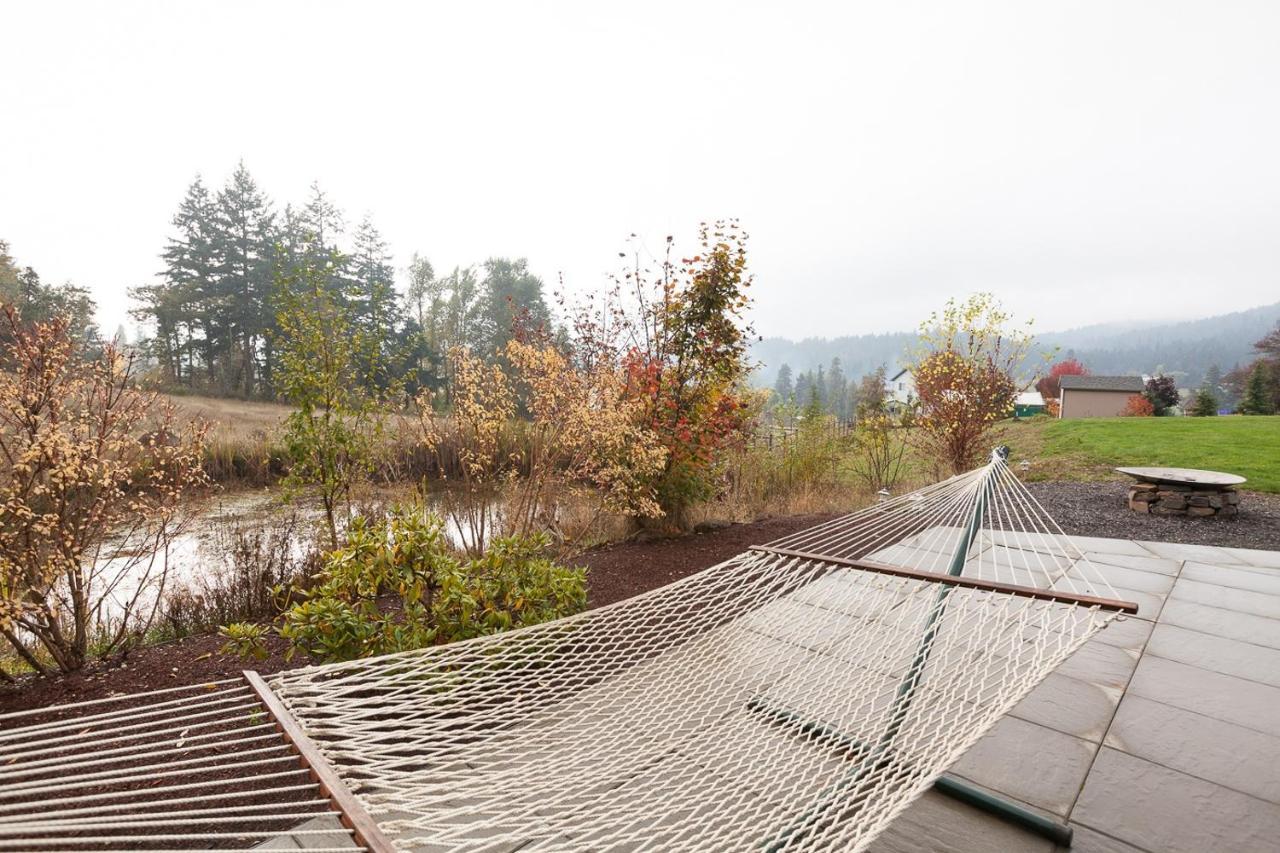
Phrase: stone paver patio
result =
(1161, 734)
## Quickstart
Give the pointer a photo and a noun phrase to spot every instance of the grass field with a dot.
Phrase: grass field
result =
(1089, 448)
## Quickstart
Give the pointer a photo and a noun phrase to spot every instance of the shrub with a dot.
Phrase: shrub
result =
(1162, 392)
(878, 451)
(245, 639)
(964, 379)
(395, 585)
(1138, 407)
(91, 493)
(678, 335)
(262, 567)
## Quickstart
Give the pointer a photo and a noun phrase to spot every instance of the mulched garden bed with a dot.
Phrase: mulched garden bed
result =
(1101, 509)
(616, 572)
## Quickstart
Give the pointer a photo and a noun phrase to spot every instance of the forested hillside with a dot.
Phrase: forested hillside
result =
(1185, 350)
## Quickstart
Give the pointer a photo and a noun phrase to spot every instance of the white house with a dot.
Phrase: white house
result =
(899, 391)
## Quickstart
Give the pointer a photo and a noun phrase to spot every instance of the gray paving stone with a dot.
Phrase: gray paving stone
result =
(1159, 809)
(1029, 762)
(1239, 758)
(936, 822)
(1069, 706)
(1100, 545)
(1148, 563)
(1223, 697)
(1198, 553)
(1233, 657)
(1255, 557)
(1222, 623)
(1099, 663)
(1136, 579)
(1228, 598)
(1125, 632)
(1086, 840)
(1236, 577)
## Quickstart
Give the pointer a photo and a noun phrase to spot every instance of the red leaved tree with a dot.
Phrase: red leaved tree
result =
(1050, 387)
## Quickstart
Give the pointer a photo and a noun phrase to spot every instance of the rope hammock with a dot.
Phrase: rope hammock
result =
(796, 697)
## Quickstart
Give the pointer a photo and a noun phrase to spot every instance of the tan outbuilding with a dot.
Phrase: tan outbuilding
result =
(1096, 396)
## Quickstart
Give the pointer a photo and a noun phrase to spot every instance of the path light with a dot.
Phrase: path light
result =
(883, 495)
(1024, 465)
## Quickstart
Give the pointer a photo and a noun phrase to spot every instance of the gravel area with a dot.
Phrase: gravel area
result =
(1101, 509)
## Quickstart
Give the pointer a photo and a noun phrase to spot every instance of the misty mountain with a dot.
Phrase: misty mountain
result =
(1184, 349)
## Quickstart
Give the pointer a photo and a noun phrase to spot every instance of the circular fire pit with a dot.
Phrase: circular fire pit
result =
(1183, 491)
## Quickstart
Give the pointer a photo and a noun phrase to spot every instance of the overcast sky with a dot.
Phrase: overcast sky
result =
(1087, 162)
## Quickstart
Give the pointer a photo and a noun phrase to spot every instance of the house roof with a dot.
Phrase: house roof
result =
(1029, 398)
(1131, 384)
(894, 377)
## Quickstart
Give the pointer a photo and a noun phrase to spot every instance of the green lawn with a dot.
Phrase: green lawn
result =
(1058, 449)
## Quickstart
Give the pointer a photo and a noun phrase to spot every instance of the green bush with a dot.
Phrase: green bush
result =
(395, 585)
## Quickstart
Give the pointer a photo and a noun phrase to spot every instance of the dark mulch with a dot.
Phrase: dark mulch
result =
(616, 572)
(1101, 509)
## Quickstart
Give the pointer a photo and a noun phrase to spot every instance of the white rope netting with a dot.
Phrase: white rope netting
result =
(786, 699)
(773, 702)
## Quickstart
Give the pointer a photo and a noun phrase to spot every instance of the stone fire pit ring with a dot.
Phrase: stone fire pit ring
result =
(1184, 491)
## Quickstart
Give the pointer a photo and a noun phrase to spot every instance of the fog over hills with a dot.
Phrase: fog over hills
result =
(1184, 349)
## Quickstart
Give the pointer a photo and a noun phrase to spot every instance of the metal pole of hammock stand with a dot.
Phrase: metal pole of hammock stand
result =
(951, 786)
(906, 690)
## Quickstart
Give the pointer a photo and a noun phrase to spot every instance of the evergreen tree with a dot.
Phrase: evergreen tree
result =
(373, 294)
(783, 390)
(177, 306)
(820, 388)
(838, 391)
(1206, 405)
(803, 388)
(243, 304)
(1257, 396)
(512, 299)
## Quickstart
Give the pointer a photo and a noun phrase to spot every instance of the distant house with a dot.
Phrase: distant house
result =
(1028, 403)
(1096, 396)
(900, 391)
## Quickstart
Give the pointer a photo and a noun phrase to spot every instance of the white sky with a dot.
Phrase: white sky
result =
(1088, 162)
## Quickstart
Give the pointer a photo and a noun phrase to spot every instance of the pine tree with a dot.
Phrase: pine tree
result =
(178, 306)
(1206, 404)
(783, 390)
(838, 391)
(245, 280)
(1257, 397)
(372, 278)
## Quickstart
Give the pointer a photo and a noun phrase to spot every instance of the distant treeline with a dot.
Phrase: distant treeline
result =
(1185, 350)
(214, 305)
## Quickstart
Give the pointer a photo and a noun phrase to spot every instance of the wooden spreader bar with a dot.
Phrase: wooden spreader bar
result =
(352, 815)
(959, 580)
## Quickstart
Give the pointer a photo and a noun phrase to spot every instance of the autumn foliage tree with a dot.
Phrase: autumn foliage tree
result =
(678, 333)
(1049, 386)
(964, 375)
(93, 478)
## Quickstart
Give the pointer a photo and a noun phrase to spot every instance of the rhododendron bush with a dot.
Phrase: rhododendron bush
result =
(964, 377)
(93, 478)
